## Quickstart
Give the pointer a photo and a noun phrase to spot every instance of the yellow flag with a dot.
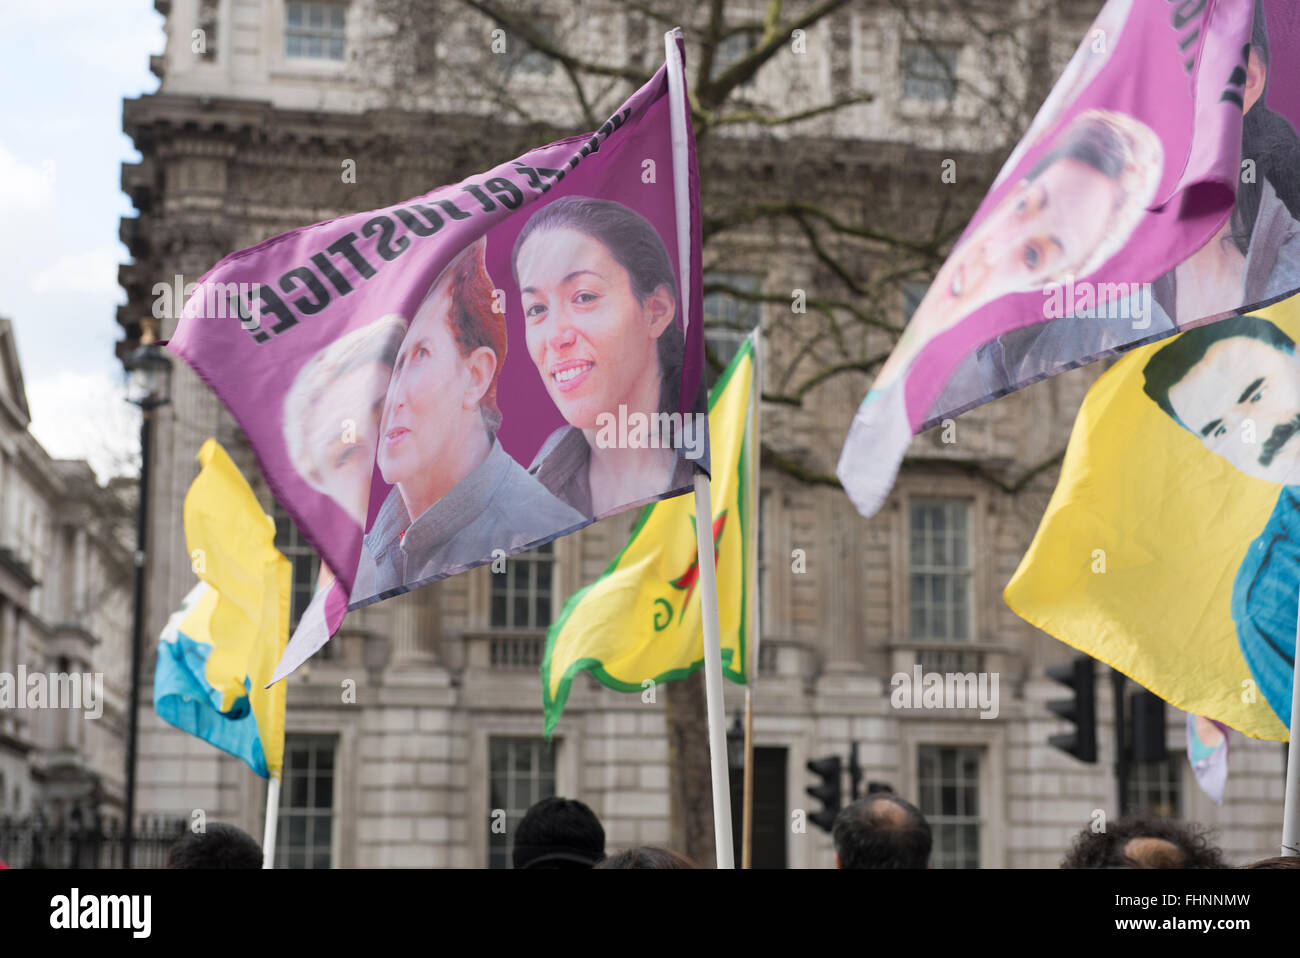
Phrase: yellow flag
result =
(1171, 547)
(232, 548)
(640, 622)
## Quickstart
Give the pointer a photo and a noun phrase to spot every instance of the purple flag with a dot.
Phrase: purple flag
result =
(1157, 189)
(476, 371)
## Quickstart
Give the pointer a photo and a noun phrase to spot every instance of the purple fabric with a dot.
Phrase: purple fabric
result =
(1172, 83)
(251, 359)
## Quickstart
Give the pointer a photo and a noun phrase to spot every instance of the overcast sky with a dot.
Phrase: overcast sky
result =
(65, 67)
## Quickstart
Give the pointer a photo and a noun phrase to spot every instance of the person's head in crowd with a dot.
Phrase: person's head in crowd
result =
(647, 856)
(1235, 386)
(882, 830)
(218, 846)
(1144, 842)
(559, 833)
(332, 412)
(1280, 861)
(440, 415)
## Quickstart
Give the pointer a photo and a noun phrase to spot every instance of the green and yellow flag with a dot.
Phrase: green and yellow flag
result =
(640, 621)
(1171, 547)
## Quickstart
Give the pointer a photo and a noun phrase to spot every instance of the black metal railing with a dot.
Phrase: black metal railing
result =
(33, 842)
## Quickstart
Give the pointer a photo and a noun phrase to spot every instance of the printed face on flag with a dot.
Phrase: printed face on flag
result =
(1235, 385)
(1158, 189)
(1171, 548)
(474, 372)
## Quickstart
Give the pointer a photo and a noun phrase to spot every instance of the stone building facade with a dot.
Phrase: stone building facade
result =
(65, 616)
(442, 733)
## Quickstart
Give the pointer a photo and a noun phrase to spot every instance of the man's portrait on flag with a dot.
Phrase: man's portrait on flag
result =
(1235, 385)
(602, 319)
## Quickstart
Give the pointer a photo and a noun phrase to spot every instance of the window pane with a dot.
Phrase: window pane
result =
(295, 14)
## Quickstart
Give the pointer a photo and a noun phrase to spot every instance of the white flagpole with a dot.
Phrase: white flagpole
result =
(272, 819)
(713, 673)
(703, 501)
(1291, 803)
(755, 626)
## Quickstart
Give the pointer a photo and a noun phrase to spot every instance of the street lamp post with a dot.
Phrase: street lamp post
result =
(149, 372)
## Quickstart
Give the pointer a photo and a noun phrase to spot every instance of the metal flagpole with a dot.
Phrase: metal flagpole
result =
(703, 502)
(1291, 803)
(755, 628)
(272, 820)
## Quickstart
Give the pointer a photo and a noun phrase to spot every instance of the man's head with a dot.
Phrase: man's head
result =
(1143, 843)
(882, 831)
(218, 846)
(559, 833)
(1235, 385)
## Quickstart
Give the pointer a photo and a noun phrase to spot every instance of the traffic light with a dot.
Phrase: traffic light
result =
(1080, 710)
(830, 792)
(1148, 711)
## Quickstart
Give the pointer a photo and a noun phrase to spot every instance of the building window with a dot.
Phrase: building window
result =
(302, 557)
(929, 72)
(304, 836)
(522, 595)
(729, 318)
(771, 820)
(949, 781)
(1156, 788)
(521, 772)
(731, 51)
(521, 57)
(315, 29)
(940, 576)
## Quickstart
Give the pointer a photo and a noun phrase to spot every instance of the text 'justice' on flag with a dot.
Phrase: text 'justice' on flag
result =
(476, 371)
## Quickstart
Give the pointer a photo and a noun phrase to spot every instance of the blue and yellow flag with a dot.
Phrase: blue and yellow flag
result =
(1171, 547)
(219, 649)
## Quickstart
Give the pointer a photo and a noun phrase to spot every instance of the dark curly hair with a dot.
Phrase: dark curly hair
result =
(647, 856)
(1191, 846)
(218, 846)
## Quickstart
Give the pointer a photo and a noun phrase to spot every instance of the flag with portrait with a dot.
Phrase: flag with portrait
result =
(1157, 189)
(1171, 547)
(476, 371)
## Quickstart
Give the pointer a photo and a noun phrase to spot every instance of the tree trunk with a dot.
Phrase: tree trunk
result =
(689, 782)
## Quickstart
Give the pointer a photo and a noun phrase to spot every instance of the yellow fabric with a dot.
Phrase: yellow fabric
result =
(246, 617)
(1135, 558)
(642, 620)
